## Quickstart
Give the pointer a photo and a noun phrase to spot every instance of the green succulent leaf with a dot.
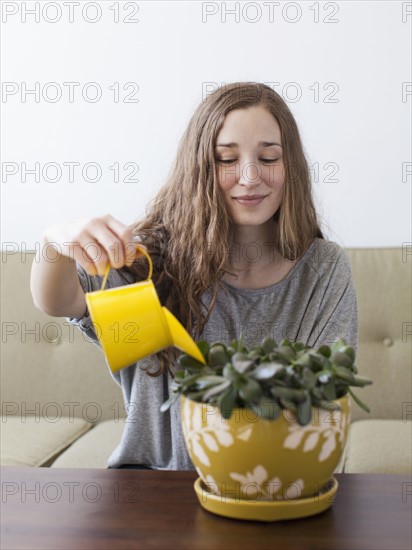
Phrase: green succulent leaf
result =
(309, 379)
(195, 395)
(217, 356)
(204, 347)
(230, 351)
(298, 346)
(318, 360)
(348, 350)
(267, 370)
(359, 401)
(216, 390)
(286, 353)
(230, 372)
(361, 381)
(339, 345)
(254, 354)
(340, 358)
(304, 360)
(344, 374)
(241, 362)
(297, 396)
(316, 393)
(209, 380)
(304, 411)
(239, 344)
(268, 345)
(324, 376)
(329, 390)
(251, 391)
(187, 382)
(167, 404)
(290, 405)
(187, 361)
(227, 402)
(325, 351)
(267, 408)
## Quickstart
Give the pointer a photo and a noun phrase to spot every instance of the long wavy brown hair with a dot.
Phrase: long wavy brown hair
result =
(187, 230)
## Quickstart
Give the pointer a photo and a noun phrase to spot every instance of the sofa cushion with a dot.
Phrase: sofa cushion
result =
(93, 449)
(379, 447)
(36, 441)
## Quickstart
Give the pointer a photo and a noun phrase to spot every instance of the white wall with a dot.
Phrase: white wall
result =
(349, 62)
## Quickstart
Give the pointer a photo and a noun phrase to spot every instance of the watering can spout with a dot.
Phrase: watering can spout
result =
(181, 338)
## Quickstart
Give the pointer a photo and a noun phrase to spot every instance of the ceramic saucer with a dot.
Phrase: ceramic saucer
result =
(273, 510)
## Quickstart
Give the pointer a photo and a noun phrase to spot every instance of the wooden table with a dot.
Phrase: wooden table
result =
(46, 508)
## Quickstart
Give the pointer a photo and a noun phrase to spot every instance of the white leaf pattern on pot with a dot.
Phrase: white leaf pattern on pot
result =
(209, 481)
(273, 486)
(199, 452)
(294, 490)
(197, 419)
(212, 485)
(245, 433)
(198, 433)
(220, 429)
(335, 423)
(186, 416)
(254, 484)
(258, 475)
(311, 442)
(224, 437)
(210, 442)
(328, 447)
(293, 440)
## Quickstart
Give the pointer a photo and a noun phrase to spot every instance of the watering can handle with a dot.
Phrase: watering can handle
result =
(143, 251)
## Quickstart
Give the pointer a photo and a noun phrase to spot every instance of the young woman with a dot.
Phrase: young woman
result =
(236, 248)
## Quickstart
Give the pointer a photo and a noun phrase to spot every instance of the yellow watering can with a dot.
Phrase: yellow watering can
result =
(131, 323)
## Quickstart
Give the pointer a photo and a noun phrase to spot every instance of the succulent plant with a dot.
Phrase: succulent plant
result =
(268, 378)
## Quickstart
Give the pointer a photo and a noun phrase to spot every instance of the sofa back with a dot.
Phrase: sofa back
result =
(383, 286)
(47, 366)
(49, 369)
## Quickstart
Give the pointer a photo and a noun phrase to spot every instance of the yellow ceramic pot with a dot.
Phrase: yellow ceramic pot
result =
(247, 457)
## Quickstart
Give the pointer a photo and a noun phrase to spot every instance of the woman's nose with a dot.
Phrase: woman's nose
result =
(249, 173)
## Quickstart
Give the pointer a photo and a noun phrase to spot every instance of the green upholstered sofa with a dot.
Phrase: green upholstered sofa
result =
(61, 408)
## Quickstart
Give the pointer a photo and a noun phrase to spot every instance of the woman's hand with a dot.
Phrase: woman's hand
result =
(94, 243)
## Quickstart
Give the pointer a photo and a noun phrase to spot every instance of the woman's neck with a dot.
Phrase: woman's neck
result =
(254, 247)
(254, 259)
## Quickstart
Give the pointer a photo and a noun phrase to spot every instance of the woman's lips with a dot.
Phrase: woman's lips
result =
(253, 200)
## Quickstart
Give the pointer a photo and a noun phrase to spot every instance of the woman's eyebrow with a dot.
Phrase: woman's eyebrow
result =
(260, 144)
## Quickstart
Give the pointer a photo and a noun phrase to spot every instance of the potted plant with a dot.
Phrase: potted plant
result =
(267, 423)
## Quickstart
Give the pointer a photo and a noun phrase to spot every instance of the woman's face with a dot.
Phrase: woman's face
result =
(249, 163)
